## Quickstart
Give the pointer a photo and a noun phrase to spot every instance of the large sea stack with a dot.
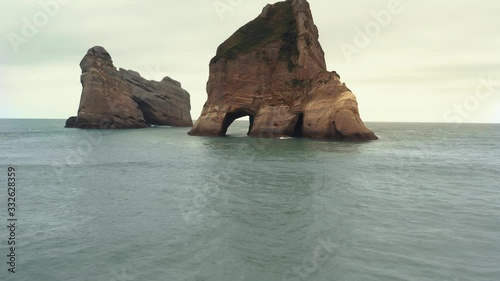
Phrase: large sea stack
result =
(122, 99)
(273, 70)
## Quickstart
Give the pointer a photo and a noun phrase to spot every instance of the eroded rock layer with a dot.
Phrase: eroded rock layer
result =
(122, 99)
(273, 70)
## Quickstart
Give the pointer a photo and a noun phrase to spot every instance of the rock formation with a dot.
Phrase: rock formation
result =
(274, 71)
(122, 99)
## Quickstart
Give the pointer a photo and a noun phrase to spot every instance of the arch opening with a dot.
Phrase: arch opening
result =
(299, 126)
(232, 116)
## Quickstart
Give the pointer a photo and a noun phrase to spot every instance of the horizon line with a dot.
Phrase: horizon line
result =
(403, 122)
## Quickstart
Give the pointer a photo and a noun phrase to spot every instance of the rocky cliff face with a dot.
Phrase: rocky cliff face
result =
(122, 99)
(273, 70)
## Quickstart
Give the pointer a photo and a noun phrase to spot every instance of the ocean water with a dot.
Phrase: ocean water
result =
(422, 203)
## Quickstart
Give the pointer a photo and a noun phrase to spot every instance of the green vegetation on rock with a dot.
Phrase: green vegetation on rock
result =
(278, 24)
(296, 83)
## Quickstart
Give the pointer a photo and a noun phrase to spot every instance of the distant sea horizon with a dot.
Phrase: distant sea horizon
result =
(243, 119)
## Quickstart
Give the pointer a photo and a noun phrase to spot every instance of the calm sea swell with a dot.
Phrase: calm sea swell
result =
(422, 203)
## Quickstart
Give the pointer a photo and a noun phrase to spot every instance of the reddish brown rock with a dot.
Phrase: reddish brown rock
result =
(273, 70)
(122, 99)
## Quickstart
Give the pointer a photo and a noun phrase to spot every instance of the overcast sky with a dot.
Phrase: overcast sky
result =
(423, 61)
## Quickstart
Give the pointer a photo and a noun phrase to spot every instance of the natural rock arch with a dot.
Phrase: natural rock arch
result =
(274, 67)
(233, 116)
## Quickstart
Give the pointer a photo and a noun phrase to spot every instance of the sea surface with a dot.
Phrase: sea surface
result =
(420, 204)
